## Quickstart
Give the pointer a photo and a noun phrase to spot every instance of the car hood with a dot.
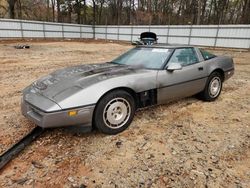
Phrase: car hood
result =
(73, 79)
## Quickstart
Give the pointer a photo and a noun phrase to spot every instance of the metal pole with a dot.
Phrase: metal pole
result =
(21, 26)
(169, 21)
(62, 31)
(106, 29)
(216, 36)
(93, 28)
(249, 45)
(118, 30)
(44, 35)
(167, 34)
(80, 31)
(106, 33)
(132, 32)
(190, 34)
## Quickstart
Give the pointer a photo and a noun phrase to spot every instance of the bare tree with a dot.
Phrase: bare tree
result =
(131, 11)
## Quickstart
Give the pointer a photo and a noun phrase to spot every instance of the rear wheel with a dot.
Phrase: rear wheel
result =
(213, 87)
(114, 112)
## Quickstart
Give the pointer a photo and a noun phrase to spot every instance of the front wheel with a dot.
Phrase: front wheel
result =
(213, 87)
(114, 112)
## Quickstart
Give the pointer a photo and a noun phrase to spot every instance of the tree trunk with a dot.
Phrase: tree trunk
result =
(59, 16)
(48, 11)
(179, 11)
(198, 13)
(224, 12)
(232, 19)
(94, 12)
(11, 4)
(78, 11)
(19, 7)
(133, 12)
(69, 12)
(53, 10)
(85, 11)
(203, 11)
(246, 12)
(210, 12)
(100, 12)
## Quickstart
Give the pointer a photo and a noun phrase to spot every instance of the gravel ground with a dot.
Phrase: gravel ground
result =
(188, 143)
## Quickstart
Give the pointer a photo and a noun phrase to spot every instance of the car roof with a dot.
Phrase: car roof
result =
(166, 46)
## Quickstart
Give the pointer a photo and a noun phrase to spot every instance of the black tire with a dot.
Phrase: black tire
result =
(214, 80)
(114, 112)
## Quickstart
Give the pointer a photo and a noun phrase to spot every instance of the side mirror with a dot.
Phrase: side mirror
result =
(174, 66)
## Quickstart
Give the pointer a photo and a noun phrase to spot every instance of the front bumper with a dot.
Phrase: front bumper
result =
(58, 118)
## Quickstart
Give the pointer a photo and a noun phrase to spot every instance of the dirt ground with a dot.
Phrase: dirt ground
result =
(188, 143)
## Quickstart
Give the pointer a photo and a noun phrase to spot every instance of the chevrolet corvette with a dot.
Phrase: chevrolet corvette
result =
(107, 95)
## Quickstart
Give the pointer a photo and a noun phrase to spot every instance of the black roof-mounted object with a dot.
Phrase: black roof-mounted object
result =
(148, 35)
(146, 38)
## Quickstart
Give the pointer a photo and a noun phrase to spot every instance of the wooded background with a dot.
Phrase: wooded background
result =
(129, 12)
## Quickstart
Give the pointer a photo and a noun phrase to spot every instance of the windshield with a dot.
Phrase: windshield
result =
(150, 58)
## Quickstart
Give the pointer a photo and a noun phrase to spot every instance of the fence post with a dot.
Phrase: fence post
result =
(132, 32)
(167, 34)
(80, 31)
(249, 45)
(21, 27)
(248, 48)
(93, 28)
(106, 33)
(106, 27)
(118, 32)
(190, 34)
(62, 31)
(216, 36)
(44, 35)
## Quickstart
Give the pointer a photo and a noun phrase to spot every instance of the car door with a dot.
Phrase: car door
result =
(189, 80)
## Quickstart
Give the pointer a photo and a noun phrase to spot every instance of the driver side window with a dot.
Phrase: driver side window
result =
(184, 56)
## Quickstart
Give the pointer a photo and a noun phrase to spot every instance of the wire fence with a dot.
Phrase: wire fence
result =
(229, 36)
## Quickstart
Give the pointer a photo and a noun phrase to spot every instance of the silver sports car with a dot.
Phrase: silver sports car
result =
(107, 95)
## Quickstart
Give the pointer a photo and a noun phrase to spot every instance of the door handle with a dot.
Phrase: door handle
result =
(200, 68)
